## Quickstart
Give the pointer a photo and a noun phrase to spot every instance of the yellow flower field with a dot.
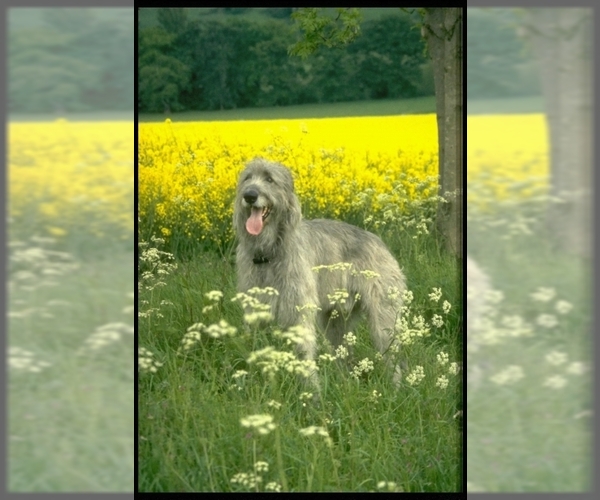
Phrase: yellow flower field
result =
(71, 179)
(342, 167)
(507, 157)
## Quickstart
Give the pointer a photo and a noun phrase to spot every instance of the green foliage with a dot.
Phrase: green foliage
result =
(162, 77)
(395, 70)
(194, 403)
(235, 62)
(172, 20)
(323, 30)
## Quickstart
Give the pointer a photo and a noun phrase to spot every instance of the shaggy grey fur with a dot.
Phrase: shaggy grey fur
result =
(278, 248)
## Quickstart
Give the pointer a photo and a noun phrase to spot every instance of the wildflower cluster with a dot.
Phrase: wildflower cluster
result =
(364, 366)
(492, 328)
(306, 397)
(106, 335)
(249, 480)
(214, 296)
(263, 424)
(350, 339)
(509, 375)
(410, 330)
(22, 360)
(338, 297)
(340, 266)
(272, 361)
(295, 335)
(560, 359)
(388, 486)
(252, 480)
(33, 265)
(257, 312)
(317, 431)
(154, 266)
(146, 361)
(374, 397)
(415, 377)
(215, 331)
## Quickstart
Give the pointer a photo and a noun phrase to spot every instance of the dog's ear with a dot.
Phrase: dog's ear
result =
(294, 212)
(239, 221)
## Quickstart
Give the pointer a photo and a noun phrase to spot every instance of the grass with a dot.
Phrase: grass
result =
(532, 435)
(367, 434)
(92, 116)
(70, 424)
(419, 105)
(509, 105)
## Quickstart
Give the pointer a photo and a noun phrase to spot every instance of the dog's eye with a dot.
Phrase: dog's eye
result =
(269, 179)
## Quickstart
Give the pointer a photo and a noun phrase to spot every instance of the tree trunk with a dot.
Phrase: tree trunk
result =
(442, 29)
(562, 43)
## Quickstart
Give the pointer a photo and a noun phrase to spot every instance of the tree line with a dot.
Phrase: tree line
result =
(500, 62)
(70, 60)
(209, 64)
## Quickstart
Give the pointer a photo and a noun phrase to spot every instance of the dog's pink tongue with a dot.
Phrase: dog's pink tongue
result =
(254, 224)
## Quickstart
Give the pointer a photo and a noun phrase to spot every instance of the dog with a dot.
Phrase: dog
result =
(278, 248)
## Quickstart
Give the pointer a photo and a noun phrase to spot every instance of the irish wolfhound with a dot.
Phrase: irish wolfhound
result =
(279, 249)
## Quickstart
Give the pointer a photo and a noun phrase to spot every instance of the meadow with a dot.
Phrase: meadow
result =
(529, 378)
(70, 307)
(222, 404)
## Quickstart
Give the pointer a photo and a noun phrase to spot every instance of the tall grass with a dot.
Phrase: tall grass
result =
(70, 392)
(529, 382)
(233, 412)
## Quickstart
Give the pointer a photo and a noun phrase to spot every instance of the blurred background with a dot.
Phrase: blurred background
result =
(70, 259)
(529, 226)
(67, 60)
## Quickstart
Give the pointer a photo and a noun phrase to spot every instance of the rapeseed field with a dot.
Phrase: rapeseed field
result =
(71, 179)
(507, 158)
(345, 168)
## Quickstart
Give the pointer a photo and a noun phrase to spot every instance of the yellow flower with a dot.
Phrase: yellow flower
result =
(57, 231)
(188, 171)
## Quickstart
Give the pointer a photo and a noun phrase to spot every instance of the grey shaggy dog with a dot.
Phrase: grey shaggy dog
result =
(277, 248)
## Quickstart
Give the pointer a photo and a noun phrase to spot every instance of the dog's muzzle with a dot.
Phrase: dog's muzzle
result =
(255, 222)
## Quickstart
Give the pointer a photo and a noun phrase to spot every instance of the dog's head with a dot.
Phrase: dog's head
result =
(265, 197)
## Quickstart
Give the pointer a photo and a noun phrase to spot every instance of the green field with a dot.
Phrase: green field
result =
(418, 105)
(191, 409)
(70, 425)
(533, 435)
(509, 105)
(97, 116)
